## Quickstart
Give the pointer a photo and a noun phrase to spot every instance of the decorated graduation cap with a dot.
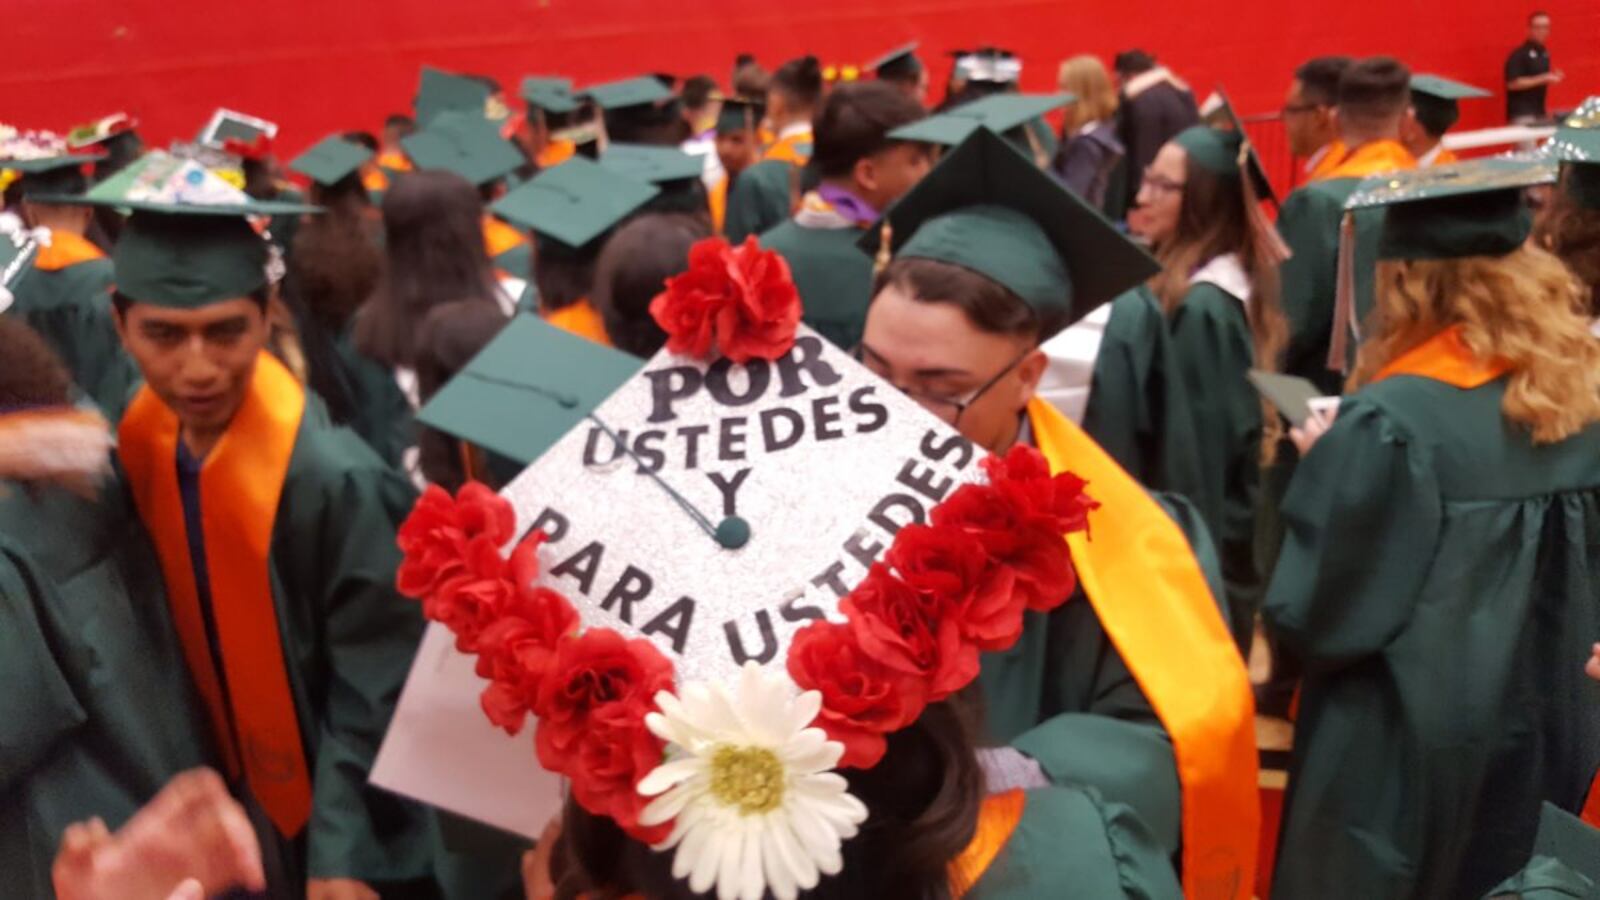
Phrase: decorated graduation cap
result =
(1005, 114)
(101, 130)
(1436, 101)
(331, 160)
(899, 64)
(465, 143)
(725, 536)
(58, 175)
(1471, 208)
(550, 94)
(188, 241)
(238, 133)
(575, 202)
(1578, 149)
(1587, 115)
(990, 65)
(439, 92)
(629, 92)
(740, 114)
(988, 208)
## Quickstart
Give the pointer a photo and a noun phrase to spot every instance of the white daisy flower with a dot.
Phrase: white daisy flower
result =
(750, 785)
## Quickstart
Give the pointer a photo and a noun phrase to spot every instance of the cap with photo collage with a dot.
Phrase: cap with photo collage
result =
(1471, 208)
(465, 143)
(1436, 101)
(188, 241)
(703, 530)
(988, 208)
(1003, 114)
(574, 203)
(899, 64)
(1578, 149)
(331, 160)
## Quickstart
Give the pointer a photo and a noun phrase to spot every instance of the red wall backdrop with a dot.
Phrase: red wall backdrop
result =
(316, 66)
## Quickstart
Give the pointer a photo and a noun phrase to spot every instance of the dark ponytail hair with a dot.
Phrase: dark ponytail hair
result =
(800, 80)
(923, 798)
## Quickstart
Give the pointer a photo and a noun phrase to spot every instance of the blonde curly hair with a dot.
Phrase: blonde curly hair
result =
(1524, 308)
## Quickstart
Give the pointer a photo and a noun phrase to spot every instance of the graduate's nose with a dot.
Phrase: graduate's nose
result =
(196, 368)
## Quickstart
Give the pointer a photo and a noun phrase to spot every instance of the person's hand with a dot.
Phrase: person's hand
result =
(1307, 435)
(1594, 664)
(338, 889)
(536, 882)
(1555, 76)
(191, 832)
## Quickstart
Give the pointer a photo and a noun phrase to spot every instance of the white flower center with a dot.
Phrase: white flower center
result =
(747, 778)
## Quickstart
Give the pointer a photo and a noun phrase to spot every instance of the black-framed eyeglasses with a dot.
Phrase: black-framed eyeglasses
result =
(949, 409)
(1294, 109)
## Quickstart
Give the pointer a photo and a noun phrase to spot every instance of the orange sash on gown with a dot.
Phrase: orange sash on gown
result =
(66, 249)
(581, 319)
(240, 485)
(498, 237)
(1374, 158)
(1152, 599)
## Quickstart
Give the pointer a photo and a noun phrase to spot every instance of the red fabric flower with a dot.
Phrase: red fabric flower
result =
(742, 299)
(518, 650)
(1015, 536)
(760, 320)
(613, 753)
(952, 566)
(599, 668)
(910, 633)
(1055, 502)
(434, 537)
(862, 699)
(688, 306)
(472, 598)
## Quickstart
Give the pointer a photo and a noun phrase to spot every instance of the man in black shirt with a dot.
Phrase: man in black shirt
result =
(1155, 106)
(1528, 73)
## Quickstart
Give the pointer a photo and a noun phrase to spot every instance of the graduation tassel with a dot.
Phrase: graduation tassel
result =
(1269, 244)
(1344, 298)
(885, 238)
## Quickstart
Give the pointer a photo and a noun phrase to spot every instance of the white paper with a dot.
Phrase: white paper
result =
(442, 750)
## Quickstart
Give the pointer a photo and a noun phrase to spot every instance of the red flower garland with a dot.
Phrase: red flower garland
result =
(256, 148)
(957, 586)
(744, 300)
(915, 626)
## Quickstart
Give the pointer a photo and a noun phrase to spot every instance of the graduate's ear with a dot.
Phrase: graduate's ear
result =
(865, 173)
(1029, 372)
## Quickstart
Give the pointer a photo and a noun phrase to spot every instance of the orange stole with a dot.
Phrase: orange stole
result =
(1154, 604)
(997, 821)
(498, 237)
(395, 161)
(796, 148)
(375, 180)
(66, 249)
(718, 200)
(1374, 158)
(581, 319)
(240, 485)
(1591, 809)
(1445, 357)
(556, 152)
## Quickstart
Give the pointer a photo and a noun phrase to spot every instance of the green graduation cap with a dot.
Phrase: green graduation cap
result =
(61, 175)
(439, 91)
(330, 160)
(551, 94)
(1436, 101)
(527, 388)
(628, 92)
(575, 202)
(988, 208)
(652, 164)
(1565, 863)
(899, 64)
(1001, 113)
(464, 143)
(161, 182)
(1471, 208)
(738, 114)
(1578, 149)
(1219, 112)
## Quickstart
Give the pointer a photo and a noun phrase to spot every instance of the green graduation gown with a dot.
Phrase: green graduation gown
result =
(1439, 580)
(1212, 346)
(761, 198)
(97, 712)
(1310, 222)
(1063, 696)
(70, 307)
(1137, 409)
(1071, 842)
(347, 637)
(382, 415)
(833, 275)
